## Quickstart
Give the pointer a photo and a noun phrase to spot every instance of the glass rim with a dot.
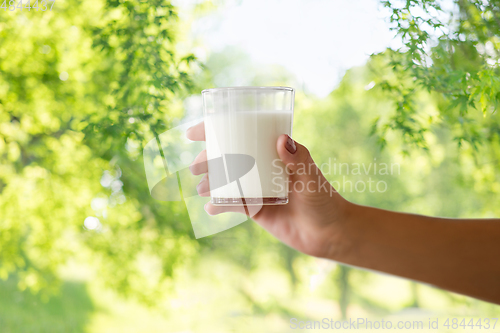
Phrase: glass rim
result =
(248, 88)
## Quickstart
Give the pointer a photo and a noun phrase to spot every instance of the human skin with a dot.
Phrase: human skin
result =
(459, 255)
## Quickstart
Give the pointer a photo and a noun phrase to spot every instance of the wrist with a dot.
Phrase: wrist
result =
(341, 239)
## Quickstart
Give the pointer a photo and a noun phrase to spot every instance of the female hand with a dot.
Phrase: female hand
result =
(312, 220)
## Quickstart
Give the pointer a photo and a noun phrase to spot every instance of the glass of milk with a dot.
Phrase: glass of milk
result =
(242, 126)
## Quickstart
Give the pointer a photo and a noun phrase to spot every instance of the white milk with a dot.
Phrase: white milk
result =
(253, 133)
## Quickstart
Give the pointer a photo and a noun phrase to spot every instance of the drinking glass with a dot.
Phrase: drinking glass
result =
(242, 125)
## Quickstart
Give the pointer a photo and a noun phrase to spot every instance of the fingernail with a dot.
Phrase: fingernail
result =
(290, 145)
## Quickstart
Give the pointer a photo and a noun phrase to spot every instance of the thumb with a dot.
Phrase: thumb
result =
(297, 158)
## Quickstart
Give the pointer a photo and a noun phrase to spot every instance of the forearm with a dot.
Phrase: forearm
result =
(458, 255)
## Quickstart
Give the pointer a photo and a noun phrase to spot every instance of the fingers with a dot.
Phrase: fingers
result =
(216, 210)
(298, 160)
(203, 187)
(250, 211)
(294, 155)
(199, 165)
(197, 132)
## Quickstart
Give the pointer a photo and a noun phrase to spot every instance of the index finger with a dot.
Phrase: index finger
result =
(197, 132)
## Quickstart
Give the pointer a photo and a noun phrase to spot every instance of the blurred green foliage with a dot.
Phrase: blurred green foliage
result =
(83, 86)
(452, 53)
(21, 311)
